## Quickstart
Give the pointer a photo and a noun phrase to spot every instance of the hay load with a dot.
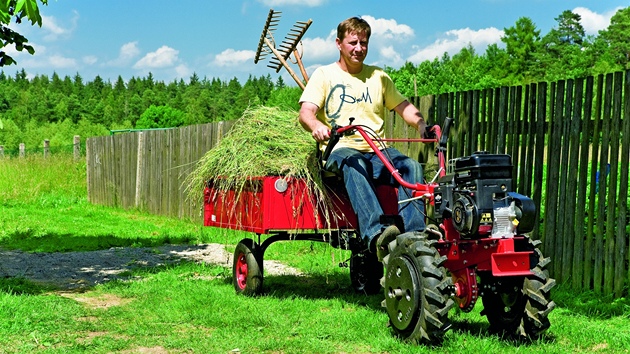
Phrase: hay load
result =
(265, 141)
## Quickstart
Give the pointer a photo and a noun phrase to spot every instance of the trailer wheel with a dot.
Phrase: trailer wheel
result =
(417, 289)
(247, 268)
(366, 272)
(520, 307)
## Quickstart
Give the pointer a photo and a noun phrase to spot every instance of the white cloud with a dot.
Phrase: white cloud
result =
(129, 51)
(594, 22)
(58, 61)
(454, 40)
(163, 57)
(54, 31)
(388, 29)
(231, 57)
(279, 3)
(386, 36)
(319, 49)
(43, 60)
(391, 56)
(90, 59)
(183, 71)
(126, 54)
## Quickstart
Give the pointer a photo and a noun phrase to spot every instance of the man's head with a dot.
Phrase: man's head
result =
(353, 25)
(353, 36)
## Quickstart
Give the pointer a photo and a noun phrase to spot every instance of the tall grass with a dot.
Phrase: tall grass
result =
(192, 307)
(45, 208)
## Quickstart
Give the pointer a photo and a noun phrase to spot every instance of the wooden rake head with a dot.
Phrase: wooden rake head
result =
(288, 46)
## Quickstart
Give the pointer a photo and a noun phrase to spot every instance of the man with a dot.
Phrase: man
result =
(347, 89)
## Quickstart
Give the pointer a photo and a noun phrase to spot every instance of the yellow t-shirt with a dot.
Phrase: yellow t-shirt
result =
(367, 96)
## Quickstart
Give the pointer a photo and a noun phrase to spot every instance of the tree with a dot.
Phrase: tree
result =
(560, 54)
(521, 43)
(616, 39)
(160, 117)
(18, 10)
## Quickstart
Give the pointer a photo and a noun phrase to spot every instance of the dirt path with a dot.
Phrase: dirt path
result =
(76, 271)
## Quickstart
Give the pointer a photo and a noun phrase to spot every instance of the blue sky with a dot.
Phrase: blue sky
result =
(218, 38)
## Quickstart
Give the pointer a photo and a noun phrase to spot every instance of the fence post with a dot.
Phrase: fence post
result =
(46, 148)
(77, 147)
(22, 150)
(139, 170)
(1, 151)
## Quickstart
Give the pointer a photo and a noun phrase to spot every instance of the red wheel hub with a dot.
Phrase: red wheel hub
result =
(466, 294)
(241, 270)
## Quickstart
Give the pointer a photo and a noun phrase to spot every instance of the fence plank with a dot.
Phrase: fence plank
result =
(611, 210)
(621, 273)
(579, 250)
(600, 246)
(573, 256)
(561, 222)
(591, 252)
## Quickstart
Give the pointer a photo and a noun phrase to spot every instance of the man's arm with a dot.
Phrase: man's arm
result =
(309, 121)
(412, 116)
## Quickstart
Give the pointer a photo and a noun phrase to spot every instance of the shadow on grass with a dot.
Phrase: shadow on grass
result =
(80, 271)
(21, 286)
(480, 328)
(319, 286)
(28, 240)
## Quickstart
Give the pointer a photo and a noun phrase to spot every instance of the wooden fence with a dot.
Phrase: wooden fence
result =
(569, 142)
(146, 170)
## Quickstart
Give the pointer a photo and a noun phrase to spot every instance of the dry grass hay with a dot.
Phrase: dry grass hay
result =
(265, 141)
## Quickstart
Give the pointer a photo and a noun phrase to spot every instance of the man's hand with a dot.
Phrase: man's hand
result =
(321, 133)
(422, 127)
(309, 121)
(429, 132)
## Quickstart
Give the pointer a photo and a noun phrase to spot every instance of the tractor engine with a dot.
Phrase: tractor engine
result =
(477, 197)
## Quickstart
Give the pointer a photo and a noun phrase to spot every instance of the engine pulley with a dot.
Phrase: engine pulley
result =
(465, 214)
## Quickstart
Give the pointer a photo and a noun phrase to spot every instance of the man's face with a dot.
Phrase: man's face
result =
(354, 47)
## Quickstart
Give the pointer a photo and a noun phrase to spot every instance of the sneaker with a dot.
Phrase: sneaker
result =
(382, 242)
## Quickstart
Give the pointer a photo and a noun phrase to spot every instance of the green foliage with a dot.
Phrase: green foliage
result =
(31, 108)
(18, 10)
(565, 52)
(160, 117)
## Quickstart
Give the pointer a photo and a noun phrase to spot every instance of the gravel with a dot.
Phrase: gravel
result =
(76, 271)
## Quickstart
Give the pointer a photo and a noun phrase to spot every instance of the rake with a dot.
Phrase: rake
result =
(281, 54)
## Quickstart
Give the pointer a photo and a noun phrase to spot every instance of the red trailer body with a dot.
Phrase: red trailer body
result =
(275, 203)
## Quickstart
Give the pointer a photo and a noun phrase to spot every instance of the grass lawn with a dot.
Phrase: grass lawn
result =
(192, 308)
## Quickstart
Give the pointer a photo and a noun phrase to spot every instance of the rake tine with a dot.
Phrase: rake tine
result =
(272, 20)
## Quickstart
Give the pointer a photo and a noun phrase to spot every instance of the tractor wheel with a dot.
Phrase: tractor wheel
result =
(503, 302)
(417, 289)
(520, 306)
(247, 268)
(365, 273)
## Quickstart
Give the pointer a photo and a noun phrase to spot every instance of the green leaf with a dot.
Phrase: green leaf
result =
(32, 12)
(4, 12)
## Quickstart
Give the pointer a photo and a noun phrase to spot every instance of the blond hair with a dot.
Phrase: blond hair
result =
(353, 25)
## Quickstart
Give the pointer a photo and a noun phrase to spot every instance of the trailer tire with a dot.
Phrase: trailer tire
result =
(247, 268)
(417, 289)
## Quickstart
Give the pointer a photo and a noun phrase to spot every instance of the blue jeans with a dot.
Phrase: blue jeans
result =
(360, 173)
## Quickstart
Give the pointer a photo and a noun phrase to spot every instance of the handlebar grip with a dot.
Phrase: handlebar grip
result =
(334, 139)
(445, 130)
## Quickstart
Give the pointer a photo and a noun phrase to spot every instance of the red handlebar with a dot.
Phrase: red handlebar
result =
(417, 186)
